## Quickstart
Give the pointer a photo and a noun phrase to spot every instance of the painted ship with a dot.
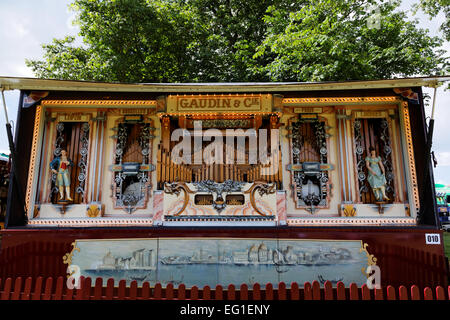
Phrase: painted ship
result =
(259, 254)
(198, 257)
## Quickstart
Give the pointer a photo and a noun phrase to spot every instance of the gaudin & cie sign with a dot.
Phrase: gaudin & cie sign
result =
(219, 103)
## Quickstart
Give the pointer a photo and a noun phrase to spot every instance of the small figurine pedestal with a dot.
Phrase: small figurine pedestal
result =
(381, 205)
(63, 205)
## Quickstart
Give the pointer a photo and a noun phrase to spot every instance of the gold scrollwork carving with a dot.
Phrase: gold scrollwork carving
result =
(263, 188)
(67, 258)
(176, 188)
(371, 260)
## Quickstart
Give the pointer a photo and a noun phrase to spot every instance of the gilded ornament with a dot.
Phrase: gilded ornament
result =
(371, 260)
(93, 211)
(67, 258)
(349, 210)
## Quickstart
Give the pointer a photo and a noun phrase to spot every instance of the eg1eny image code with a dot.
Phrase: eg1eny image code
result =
(227, 309)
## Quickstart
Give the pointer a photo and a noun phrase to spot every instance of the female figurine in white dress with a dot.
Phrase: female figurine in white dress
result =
(376, 178)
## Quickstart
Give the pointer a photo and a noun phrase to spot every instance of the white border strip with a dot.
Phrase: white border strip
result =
(103, 222)
(351, 221)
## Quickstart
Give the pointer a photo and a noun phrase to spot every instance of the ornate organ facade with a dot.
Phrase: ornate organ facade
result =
(231, 155)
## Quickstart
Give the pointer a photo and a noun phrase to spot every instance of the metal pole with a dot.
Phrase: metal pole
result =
(13, 157)
(8, 128)
(434, 102)
(4, 105)
(427, 163)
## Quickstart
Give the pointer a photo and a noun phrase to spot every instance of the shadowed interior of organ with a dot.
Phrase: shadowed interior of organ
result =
(307, 148)
(232, 154)
(309, 151)
(133, 152)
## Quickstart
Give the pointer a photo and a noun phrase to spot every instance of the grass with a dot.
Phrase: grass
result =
(447, 244)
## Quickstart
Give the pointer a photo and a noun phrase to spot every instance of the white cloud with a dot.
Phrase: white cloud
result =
(20, 29)
(443, 159)
(25, 26)
(24, 71)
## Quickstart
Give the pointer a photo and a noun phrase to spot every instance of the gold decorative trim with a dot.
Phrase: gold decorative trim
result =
(99, 102)
(93, 211)
(340, 100)
(32, 166)
(229, 115)
(411, 161)
(371, 260)
(67, 258)
(349, 210)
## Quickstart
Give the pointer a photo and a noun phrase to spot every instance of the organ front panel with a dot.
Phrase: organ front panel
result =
(256, 158)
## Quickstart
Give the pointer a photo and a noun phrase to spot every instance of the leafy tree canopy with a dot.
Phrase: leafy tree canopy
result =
(233, 40)
(433, 8)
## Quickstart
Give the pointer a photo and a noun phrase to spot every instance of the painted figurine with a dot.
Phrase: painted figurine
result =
(60, 166)
(376, 178)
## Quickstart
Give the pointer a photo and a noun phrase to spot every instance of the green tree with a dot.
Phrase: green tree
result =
(126, 41)
(231, 40)
(234, 29)
(64, 60)
(346, 40)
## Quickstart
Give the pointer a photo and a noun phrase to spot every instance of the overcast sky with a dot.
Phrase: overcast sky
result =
(26, 24)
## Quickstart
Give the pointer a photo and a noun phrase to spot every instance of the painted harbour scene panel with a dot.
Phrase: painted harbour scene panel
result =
(118, 259)
(213, 261)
